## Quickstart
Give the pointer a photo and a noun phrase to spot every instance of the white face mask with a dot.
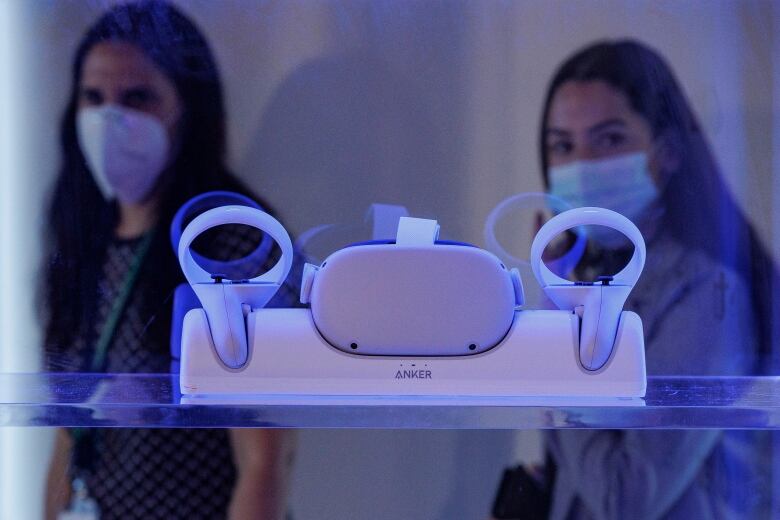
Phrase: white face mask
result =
(621, 183)
(126, 150)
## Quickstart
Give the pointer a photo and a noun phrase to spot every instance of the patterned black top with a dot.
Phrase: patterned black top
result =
(153, 473)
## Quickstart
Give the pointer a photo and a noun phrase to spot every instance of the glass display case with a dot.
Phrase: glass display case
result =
(449, 109)
(153, 401)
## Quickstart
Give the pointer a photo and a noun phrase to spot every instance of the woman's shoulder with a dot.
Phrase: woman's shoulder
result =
(673, 270)
(696, 311)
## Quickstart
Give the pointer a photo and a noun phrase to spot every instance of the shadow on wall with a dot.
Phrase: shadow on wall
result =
(339, 133)
(342, 132)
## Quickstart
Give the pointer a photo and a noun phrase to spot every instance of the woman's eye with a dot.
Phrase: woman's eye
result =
(559, 148)
(612, 140)
(91, 97)
(138, 98)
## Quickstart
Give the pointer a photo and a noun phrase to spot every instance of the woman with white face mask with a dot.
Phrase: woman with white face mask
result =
(617, 132)
(143, 132)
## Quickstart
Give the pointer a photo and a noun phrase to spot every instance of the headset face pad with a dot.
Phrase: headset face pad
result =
(438, 300)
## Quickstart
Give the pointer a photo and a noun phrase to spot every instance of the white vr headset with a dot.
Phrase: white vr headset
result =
(415, 297)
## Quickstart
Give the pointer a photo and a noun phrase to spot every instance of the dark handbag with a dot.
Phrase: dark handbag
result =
(521, 496)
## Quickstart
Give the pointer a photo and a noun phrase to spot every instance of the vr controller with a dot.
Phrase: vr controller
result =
(413, 300)
(598, 304)
(228, 302)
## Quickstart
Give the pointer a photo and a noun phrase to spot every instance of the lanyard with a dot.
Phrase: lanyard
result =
(84, 449)
(120, 302)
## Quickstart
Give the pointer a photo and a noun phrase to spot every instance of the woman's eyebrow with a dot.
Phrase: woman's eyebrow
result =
(557, 132)
(615, 121)
(138, 89)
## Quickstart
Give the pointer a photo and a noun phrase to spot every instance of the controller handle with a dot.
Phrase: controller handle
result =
(598, 304)
(228, 302)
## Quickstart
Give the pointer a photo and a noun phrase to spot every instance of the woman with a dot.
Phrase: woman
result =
(143, 132)
(618, 132)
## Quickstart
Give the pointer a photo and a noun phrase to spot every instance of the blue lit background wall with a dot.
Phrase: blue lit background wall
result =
(430, 104)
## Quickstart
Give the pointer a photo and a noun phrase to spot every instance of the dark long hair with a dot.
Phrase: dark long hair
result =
(80, 222)
(699, 210)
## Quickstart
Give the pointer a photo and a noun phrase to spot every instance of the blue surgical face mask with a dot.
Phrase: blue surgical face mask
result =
(621, 183)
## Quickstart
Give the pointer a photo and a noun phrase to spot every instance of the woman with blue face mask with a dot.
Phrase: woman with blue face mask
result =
(617, 132)
(143, 132)
(601, 153)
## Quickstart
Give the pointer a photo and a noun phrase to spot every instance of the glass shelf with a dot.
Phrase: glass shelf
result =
(152, 400)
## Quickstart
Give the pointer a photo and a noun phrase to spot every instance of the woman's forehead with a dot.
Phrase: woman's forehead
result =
(119, 63)
(581, 105)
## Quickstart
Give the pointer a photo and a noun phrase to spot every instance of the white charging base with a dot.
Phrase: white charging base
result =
(538, 357)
